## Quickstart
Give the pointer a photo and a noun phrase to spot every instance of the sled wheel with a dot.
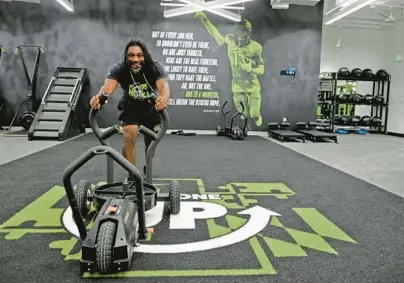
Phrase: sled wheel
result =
(239, 134)
(174, 198)
(218, 130)
(105, 242)
(83, 194)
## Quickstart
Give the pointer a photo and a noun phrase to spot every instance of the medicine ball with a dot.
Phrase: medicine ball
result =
(356, 73)
(343, 98)
(356, 98)
(382, 74)
(354, 120)
(343, 120)
(367, 73)
(364, 121)
(375, 121)
(343, 72)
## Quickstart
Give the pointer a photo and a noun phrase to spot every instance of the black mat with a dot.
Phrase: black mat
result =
(332, 227)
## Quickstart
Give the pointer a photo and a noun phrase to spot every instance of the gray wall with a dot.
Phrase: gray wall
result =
(95, 35)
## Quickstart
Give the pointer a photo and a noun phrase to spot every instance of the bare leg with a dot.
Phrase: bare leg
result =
(130, 133)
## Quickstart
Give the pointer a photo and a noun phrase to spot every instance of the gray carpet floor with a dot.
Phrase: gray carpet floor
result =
(367, 215)
(377, 159)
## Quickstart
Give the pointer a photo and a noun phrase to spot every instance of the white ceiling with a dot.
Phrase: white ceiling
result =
(382, 15)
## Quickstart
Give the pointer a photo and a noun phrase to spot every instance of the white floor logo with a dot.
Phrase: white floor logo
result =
(191, 211)
(234, 213)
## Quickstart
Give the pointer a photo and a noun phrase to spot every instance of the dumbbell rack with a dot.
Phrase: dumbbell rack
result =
(380, 87)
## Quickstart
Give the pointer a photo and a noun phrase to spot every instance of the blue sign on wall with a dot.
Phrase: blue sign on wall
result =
(291, 71)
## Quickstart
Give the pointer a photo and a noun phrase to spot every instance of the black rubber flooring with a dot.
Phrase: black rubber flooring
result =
(271, 215)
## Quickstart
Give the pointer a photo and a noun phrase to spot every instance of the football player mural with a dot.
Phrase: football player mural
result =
(246, 62)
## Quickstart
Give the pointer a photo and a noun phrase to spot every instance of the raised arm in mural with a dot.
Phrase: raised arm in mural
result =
(246, 62)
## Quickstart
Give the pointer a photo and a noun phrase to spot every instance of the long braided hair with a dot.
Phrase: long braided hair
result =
(149, 63)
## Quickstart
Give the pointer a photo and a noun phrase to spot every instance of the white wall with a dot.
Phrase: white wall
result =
(395, 46)
(360, 48)
(368, 48)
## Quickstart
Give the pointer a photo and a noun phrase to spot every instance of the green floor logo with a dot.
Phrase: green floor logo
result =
(244, 216)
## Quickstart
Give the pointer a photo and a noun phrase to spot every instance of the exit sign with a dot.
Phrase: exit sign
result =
(398, 58)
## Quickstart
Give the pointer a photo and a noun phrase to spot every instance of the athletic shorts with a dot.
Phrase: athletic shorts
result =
(140, 113)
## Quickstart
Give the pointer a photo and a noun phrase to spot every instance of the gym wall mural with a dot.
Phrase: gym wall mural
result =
(208, 58)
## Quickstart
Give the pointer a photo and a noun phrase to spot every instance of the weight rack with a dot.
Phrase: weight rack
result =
(328, 96)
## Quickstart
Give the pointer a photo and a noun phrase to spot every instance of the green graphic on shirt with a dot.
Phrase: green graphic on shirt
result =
(139, 91)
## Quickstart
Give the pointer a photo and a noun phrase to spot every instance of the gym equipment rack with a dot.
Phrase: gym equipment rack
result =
(329, 103)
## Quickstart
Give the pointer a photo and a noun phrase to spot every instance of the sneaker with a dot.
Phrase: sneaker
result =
(258, 122)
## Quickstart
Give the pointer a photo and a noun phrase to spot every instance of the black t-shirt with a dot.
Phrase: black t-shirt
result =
(136, 87)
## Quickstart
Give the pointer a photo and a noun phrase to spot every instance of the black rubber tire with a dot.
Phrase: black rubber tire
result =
(233, 135)
(237, 134)
(26, 119)
(218, 131)
(240, 135)
(83, 191)
(105, 243)
(174, 204)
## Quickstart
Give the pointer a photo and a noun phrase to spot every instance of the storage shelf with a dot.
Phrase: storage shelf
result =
(381, 87)
(352, 103)
(363, 79)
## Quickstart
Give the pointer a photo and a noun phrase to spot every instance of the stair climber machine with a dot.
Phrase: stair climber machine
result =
(27, 117)
(58, 116)
(119, 222)
(235, 132)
